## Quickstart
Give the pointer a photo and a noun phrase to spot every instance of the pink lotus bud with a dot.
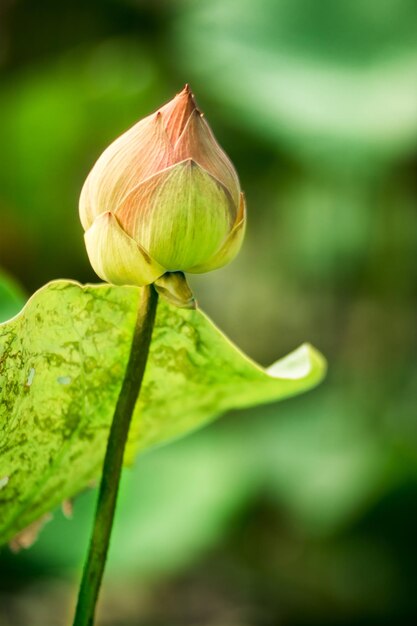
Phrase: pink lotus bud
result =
(163, 197)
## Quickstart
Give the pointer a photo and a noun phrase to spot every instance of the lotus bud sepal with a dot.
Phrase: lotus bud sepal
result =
(173, 287)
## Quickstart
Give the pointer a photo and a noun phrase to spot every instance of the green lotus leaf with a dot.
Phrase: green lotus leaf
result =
(62, 361)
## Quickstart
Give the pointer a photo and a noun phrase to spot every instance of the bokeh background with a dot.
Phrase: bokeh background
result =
(302, 513)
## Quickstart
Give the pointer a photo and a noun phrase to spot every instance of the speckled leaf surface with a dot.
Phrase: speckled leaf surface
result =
(61, 365)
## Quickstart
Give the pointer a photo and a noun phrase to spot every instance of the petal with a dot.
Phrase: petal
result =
(133, 157)
(181, 215)
(197, 142)
(116, 257)
(230, 247)
(176, 112)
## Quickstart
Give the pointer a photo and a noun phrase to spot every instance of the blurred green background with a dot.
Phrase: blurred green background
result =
(302, 513)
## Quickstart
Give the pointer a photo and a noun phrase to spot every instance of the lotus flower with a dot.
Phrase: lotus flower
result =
(163, 197)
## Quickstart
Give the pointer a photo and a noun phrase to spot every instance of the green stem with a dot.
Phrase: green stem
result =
(106, 504)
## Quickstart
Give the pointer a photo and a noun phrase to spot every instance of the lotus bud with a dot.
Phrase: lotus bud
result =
(163, 198)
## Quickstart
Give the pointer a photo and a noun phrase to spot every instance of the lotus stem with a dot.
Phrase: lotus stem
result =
(113, 461)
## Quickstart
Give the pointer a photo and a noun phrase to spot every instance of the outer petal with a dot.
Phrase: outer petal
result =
(197, 142)
(230, 247)
(181, 215)
(116, 257)
(137, 154)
